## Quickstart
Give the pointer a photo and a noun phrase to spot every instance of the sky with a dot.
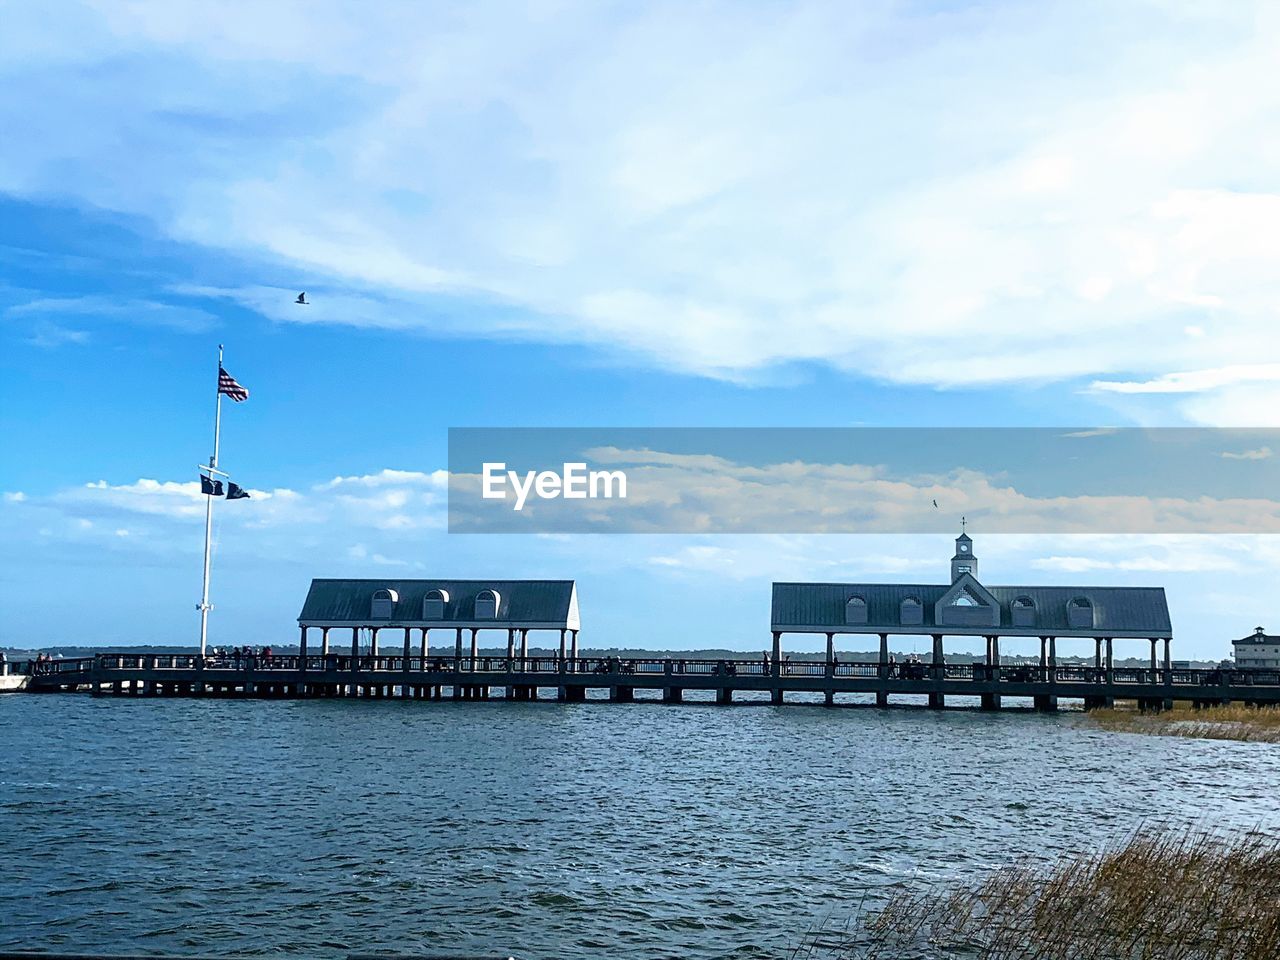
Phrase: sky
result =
(562, 215)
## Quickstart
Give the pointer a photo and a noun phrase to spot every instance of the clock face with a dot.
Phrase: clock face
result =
(964, 548)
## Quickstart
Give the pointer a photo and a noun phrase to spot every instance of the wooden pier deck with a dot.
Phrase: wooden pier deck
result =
(619, 680)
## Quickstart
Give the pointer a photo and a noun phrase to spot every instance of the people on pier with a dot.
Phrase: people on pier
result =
(893, 665)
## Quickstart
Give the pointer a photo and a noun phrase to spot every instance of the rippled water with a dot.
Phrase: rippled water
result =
(543, 830)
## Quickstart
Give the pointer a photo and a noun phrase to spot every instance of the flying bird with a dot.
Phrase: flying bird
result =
(302, 298)
(935, 504)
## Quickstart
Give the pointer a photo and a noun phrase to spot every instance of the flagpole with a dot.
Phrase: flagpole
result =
(208, 508)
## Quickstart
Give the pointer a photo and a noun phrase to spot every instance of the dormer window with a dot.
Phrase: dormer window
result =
(384, 602)
(855, 611)
(911, 612)
(433, 604)
(1080, 613)
(1024, 612)
(487, 602)
(964, 568)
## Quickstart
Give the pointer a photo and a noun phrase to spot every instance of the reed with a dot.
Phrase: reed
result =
(1158, 895)
(1235, 722)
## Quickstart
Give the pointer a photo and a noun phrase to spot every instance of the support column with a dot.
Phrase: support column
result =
(573, 647)
(938, 667)
(426, 646)
(457, 649)
(775, 695)
(1153, 657)
(1107, 700)
(355, 648)
(1168, 673)
(475, 647)
(562, 694)
(882, 696)
(324, 641)
(302, 650)
(830, 692)
(991, 701)
(373, 644)
(1051, 671)
(408, 647)
(531, 692)
(511, 658)
(1097, 653)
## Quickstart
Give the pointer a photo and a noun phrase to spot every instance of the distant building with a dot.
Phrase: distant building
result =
(1257, 651)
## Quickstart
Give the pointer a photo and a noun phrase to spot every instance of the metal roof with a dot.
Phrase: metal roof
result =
(1257, 637)
(1117, 611)
(522, 603)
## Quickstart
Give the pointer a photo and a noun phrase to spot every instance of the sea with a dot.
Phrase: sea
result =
(542, 830)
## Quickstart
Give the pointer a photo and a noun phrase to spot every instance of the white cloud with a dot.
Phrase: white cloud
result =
(49, 336)
(1260, 453)
(700, 493)
(1195, 381)
(982, 194)
(147, 313)
(1093, 432)
(160, 517)
(1256, 405)
(436, 479)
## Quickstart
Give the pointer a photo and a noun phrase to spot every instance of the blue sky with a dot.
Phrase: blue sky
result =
(593, 215)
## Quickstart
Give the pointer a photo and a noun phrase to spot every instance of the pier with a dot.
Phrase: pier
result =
(579, 679)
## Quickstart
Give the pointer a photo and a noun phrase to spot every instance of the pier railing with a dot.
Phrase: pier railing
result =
(749, 669)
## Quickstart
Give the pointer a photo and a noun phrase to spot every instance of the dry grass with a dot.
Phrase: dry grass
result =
(1157, 896)
(1256, 724)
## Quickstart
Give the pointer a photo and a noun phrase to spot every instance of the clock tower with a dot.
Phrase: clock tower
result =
(963, 561)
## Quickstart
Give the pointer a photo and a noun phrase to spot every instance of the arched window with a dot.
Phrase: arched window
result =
(487, 602)
(911, 611)
(1080, 613)
(384, 602)
(1024, 612)
(433, 604)
(855, 610)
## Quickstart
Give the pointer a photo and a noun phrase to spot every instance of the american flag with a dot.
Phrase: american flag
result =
(228, 385)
